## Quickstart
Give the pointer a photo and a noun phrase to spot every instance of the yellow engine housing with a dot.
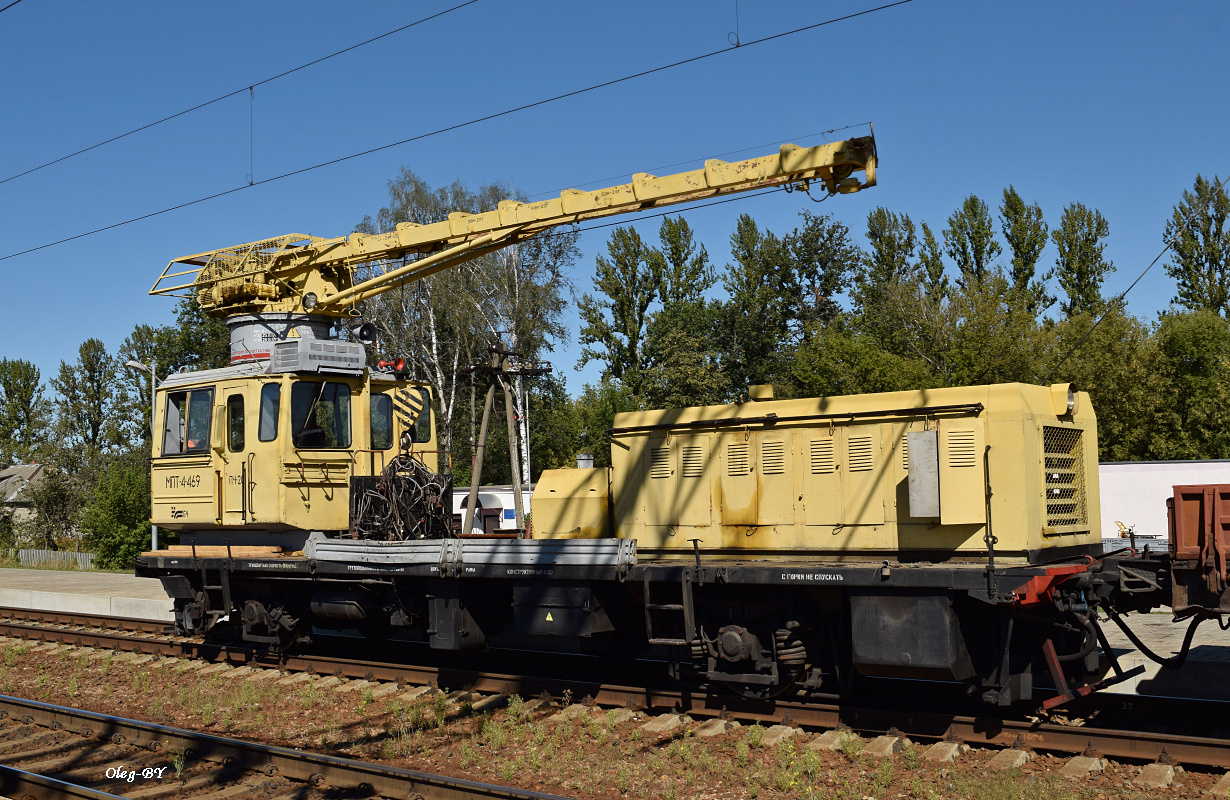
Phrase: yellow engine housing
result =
(831, 477)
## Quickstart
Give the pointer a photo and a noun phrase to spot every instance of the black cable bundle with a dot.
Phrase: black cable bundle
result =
(408, 501)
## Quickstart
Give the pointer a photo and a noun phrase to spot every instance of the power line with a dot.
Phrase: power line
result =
(457, 126)
(219, 99)
(10, 5)
(1118, 299)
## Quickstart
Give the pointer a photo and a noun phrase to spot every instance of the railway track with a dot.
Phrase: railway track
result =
(49, 751)
(139, 636)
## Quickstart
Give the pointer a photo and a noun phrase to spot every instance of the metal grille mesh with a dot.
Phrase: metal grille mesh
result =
(1064, 466)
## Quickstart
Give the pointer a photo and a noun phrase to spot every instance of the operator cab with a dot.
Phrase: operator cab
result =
(253, 457)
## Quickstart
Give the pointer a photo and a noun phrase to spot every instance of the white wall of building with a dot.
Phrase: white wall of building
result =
(495, 497)
(1135, 492)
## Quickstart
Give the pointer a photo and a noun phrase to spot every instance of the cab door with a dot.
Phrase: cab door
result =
(236, 463)
(184, 482)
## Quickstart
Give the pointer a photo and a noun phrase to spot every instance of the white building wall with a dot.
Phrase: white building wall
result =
(1135, 492)
(495, 497)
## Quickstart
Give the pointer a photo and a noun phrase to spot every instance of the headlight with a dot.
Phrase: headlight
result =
(309, 300)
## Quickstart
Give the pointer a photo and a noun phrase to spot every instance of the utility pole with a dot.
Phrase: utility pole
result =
(500, 372)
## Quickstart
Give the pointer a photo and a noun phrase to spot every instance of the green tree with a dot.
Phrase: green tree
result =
(116, 520)
(596, 409)
(1192, 419)
(683, 371)
(1117, 365)
(763, 295)
(614, 321)
(890, 260)
(970, 337)
(887, 264)
(841, 361)
(194, 342)
(431, 323)
(519, 298)
(1026, 233)
(88, 417)
(1201, 243)
(931, 266)
(55, 498)
(24, 416)
(8, 531)
(823, 258)
(145, 345)
(969, 240)
(555, 426)
(1080, 264)
(443, 323)
(680, 264)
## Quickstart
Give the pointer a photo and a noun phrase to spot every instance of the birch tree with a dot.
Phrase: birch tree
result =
(519, 296)
(443, 323)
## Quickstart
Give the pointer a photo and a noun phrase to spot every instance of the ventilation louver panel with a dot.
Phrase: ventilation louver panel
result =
(861, 456)
(962, 449)
(1064, 465)
(693, 461)
(823, 457)
(660, 462)
(773, 458)
(737, 459)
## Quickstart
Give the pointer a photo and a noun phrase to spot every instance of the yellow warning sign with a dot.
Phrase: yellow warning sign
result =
(549, 617)
(293, 333)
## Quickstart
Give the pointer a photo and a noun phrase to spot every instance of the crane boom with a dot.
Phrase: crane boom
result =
(298, 273)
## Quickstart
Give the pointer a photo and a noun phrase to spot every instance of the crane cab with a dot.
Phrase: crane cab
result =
(247, 456)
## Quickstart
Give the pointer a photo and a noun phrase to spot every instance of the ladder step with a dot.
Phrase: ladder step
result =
(683, 642)
(664, 606)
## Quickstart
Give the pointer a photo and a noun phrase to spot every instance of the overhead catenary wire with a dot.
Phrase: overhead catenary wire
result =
(10, 5)
(1117, 300)
(458, 126)
(220, 98)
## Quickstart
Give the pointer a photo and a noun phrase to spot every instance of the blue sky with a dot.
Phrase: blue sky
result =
(1116, 105)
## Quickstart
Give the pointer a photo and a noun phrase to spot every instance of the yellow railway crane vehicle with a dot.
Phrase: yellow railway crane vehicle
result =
(762, 547)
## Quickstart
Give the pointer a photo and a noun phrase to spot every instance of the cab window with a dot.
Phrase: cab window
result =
(413, 406)
(422, 425)
(271, 399)
(186, 422)
(320, 414)
(234, 422)
(382, 422)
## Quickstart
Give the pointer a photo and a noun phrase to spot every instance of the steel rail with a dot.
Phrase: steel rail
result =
(18, 783)
(973, 730)
(312, 768)
(81, 619)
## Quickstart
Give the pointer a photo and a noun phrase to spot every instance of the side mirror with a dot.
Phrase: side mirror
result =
(217, 438)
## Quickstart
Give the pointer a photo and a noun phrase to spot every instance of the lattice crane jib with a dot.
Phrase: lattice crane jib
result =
(298, 273)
